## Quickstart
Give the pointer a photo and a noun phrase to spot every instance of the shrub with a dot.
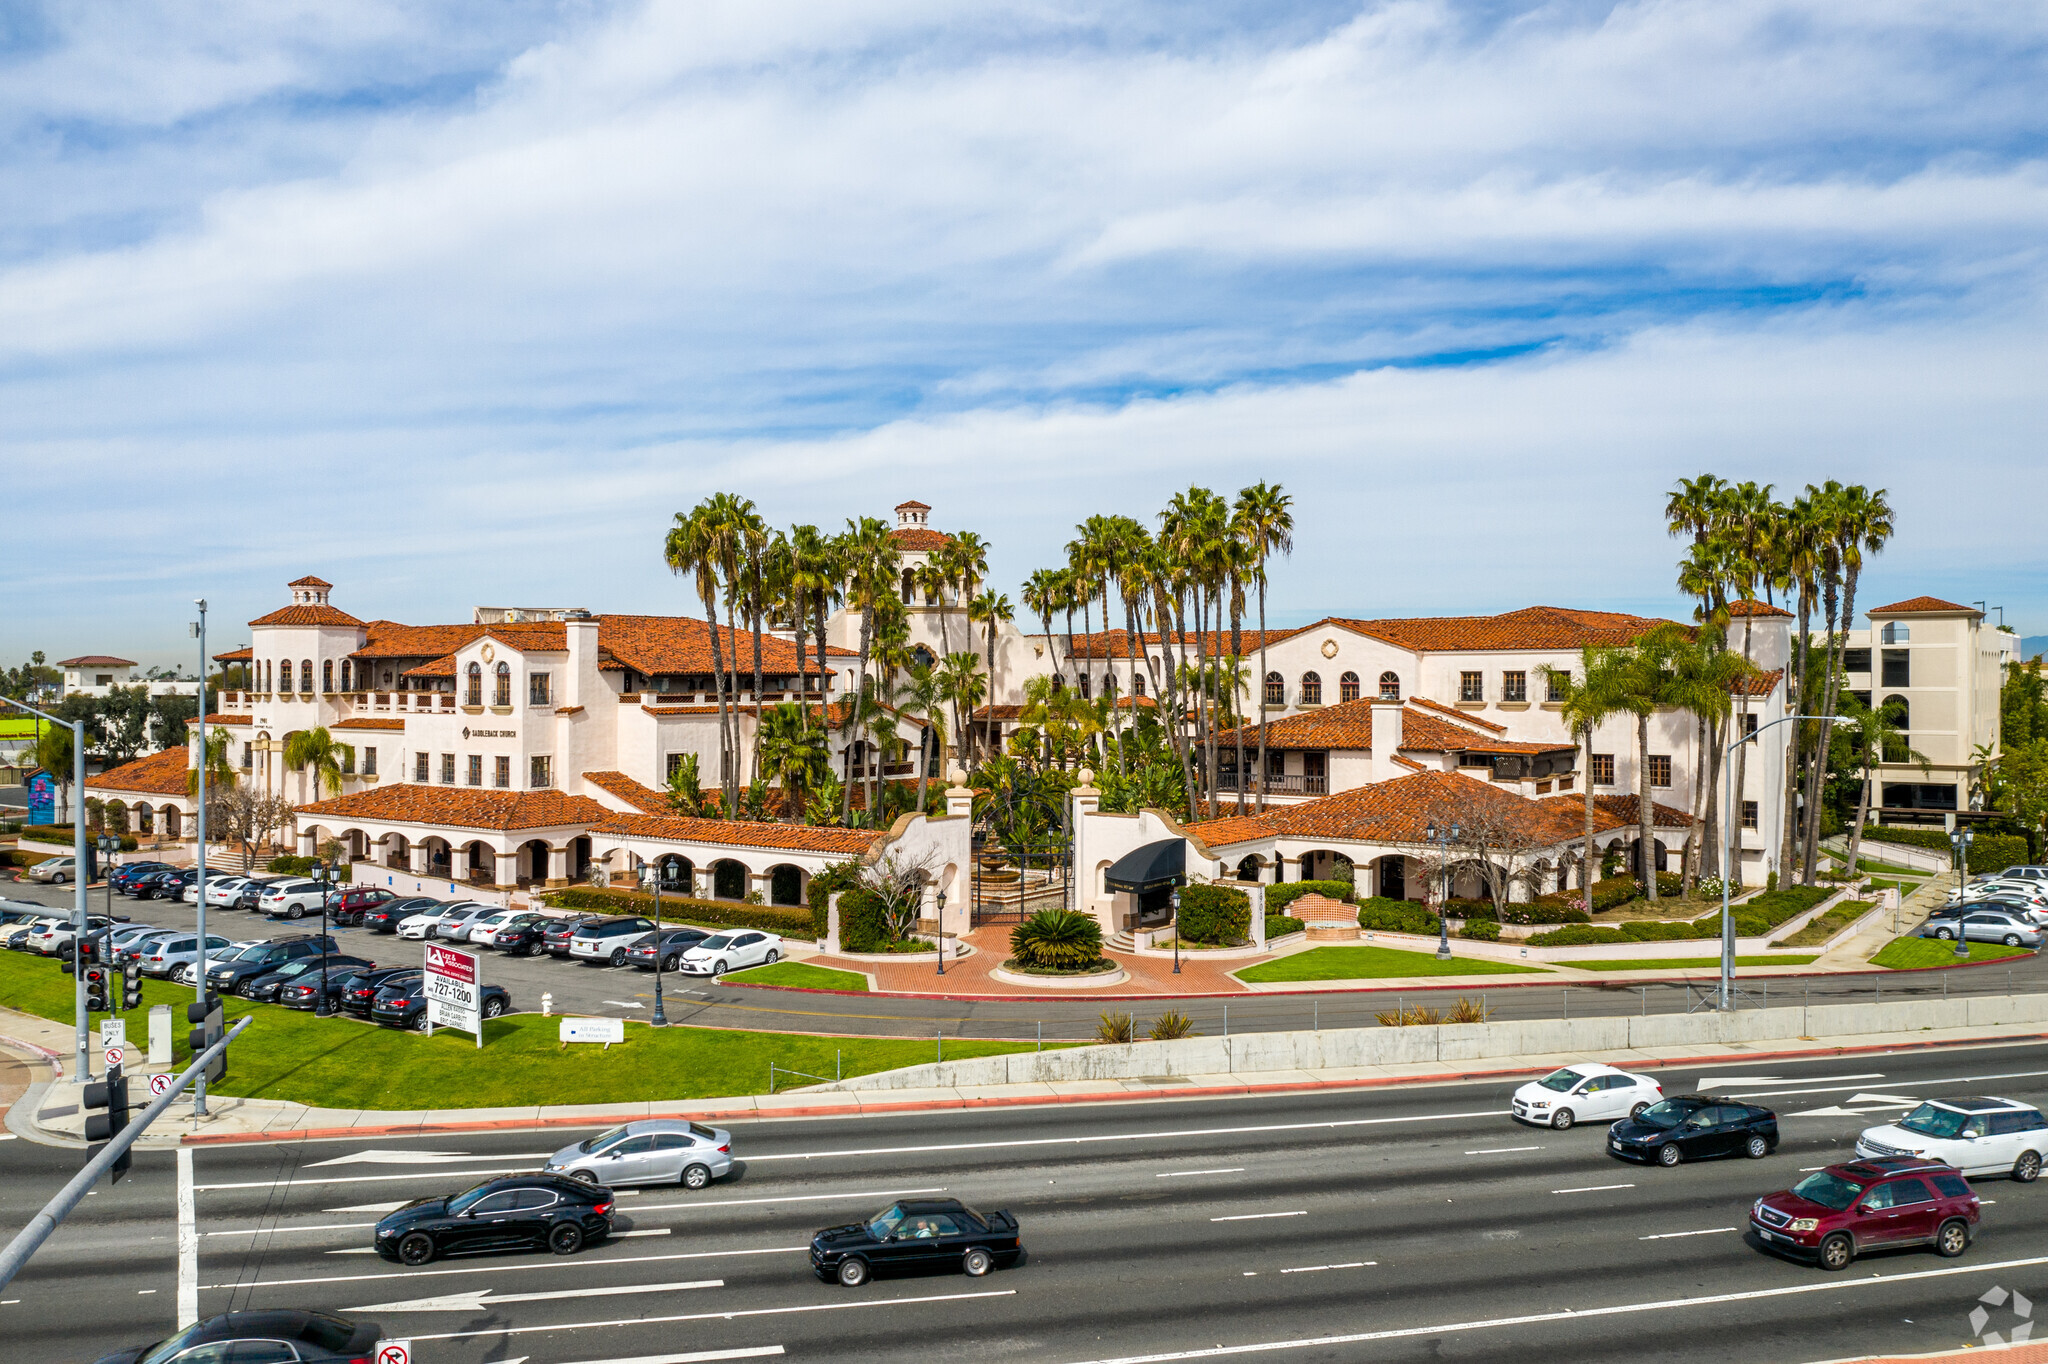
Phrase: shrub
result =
(788, 920)
(301, 866)
(1469, 909)
(837, 877)
(1055, 940)
(47, 833)
(1171, 1026)
(863, 921)
(1214, 914)
(1988, 852)
(1279, 925)
(1614, 891)
(1480, 930)
(1280, 896)
(1469, 1011)
(1115, 1028)
(1544, 911)
(1411, 1017)
(1395, 916)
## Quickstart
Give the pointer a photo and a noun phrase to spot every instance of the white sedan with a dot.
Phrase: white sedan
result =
(722, 952)
(1585, 1093)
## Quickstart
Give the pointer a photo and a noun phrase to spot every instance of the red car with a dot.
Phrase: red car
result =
(1836, 1214)
(349, 906)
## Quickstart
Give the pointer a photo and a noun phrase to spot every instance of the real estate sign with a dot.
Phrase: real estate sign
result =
(451, 991)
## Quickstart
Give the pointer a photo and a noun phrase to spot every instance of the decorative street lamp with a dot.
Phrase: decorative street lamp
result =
(1960, 840)
(1176, 930)
(940, 897)
(1443, 836)
(650, 876)
(107, 845)
(324, 873)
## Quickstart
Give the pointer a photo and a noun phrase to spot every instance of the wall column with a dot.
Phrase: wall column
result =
(507, 873)
(458, 863)
(558, 866)
(308, 845)
(420, 865)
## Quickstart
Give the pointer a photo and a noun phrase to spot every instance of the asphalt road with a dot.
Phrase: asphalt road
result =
(628, 992)
(1414, 1224)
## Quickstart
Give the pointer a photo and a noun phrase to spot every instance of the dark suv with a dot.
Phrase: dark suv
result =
(225, 976)
(1836, 1214)
(386, 917)
(348, 906)
(251, 891)
(359, 991)
(299, 969)
(556, 939)
(402, 1002)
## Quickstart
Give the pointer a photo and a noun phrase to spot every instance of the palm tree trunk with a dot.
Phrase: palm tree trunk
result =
(1589, 869)
(1237, 653)
(1834, 689)
(729, 785)
(1715, 835)
(1259, 690)
(1689, 864)
(759, 608)
(1795, 704)
(858, 702)
(1646, 824)
(718, 679)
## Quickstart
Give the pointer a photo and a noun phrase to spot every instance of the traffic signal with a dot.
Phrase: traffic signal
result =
(96, 990)
(110, 1094)
(83, 952)
(208, 1016)
(131, 984)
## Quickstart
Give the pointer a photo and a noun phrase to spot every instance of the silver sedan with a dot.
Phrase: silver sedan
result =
(649, 1151)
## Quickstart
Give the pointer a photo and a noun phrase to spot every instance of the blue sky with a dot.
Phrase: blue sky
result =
(458, 303)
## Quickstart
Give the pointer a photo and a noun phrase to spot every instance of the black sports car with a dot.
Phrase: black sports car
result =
(305, 969)
(385, 918)
(512, 1212)
(359, 991)
(312, 1336)
(914, 1235)
(1694, 1127)
(402, 1002)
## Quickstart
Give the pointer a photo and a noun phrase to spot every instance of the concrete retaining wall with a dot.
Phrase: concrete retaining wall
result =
(1338, 1048)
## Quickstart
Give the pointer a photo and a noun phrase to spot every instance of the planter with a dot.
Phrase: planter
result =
(1089, 980)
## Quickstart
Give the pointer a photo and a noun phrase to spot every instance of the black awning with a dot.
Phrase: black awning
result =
(1151, 867)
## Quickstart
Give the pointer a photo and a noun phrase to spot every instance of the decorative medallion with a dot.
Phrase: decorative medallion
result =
(1329, 648)
(489, 653)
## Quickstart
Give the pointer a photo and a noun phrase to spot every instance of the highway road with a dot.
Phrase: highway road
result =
(628, 992)
(1412, 1224)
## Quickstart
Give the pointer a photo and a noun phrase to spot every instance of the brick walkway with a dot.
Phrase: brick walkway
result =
(970, 975)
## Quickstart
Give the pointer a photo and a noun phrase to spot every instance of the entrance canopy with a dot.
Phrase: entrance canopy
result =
(1152, 867)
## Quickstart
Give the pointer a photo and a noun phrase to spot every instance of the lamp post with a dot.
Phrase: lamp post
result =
(1726, 1000)
(107, 844)
(1176, 930)
(1443, 836)
(324, 873)
(199, 846)
(78, 863)
(1960, 840)
(939, 898)
(650, 876)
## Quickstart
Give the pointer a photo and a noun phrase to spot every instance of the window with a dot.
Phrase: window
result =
(675, 764)
(1137, 684)
(1276, 690)
(1749, 814)
(249, 756)
(1660, 769)
(1952, 1186)
(476, 769)
(369, 762)
(327, 674)
(1347, 687)
(347, 675)
(419, 767)
(2007, 1124)
(1856, 660)
(502, 696)
(1390, 687)
(1603, 768)
(1897, 634)
(909, 587)
(348, 761)
(475, 697)
(448, 769)
(1749, 720)
(1899, 714)
(1514, 686)
(1898, 668)
(1559, 681)
(1471, 686)
(537, 689)
(1087, 684)
(1311, 689)
(543, 773)
(504, 772)
(1276, 763)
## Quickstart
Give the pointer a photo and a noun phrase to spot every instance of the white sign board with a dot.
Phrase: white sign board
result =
(452, 990)
(113, 1032)
(160, 1085)
(394, 1352)
(605, 1030)
(114, 1056)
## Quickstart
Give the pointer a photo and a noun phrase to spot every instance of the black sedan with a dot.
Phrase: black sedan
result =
(312, 1336)
(271, 987)
(402, 1002)
(674, 942)
(917, 1235)
(359, 991)
(144, 887)
(1694, 1127)
(513, 1212)
(120, 877)
(386, 917)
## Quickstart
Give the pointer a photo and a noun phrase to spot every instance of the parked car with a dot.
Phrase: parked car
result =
(353, 902)
(55, 871)
(188, 973)
(916, 1235)
(673, 943)
(223, 891)
(181, 885)
(648, 1151)
(607, 940)
(120, 876)
(250, 895)
(722, 952)
(147, 886)
(1836, 1214)
(54, 936)
(162, 955)
(1694, 1127)
(402, 1003)
(315, 1337)
(224, 976)
(190, 893)
(1584, 1093)
(466, 930)
(1985, 925)
(562, 930)
(133, 948)
(123, 935)
(430, 923)
(303, 990)
(16, 935)
(511, 1212)
(516, 932)
(1979, 1136)
(267, 985)
(359, 991)
(386, 918)
(293, 898)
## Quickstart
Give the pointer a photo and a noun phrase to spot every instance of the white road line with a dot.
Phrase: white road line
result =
(1183, 1174)
(789, 1198)
(733, 1315)
(1256, 1216)
(355, 1250)
(1594, 1188)
(1673, 1235)
(435, 1173)
(1915, 1084)
(279, 1231)
(393, 1206)
(580, 1262)
(695, 1356)
(620, 1235)
(1317, 1269)
(382, 1156)
(1569, 1314)
(483, 1298)
(188, 1243)
(1501, 1150)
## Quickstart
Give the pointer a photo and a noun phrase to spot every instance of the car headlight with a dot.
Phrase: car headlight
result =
(1539, 1103)
(1805, 1223)
(387, 1231)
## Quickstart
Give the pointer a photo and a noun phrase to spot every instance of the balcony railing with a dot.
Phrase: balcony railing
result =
(1292, 784)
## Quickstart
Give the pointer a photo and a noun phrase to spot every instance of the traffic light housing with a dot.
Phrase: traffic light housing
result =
(110, 1094)
(210, 1029)
(96, 990)
(131, 985)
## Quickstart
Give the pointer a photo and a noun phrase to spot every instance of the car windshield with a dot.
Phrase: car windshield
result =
(602, 1140)
(462, 1201)
(1929, 1120)
(1560, 1080)
(166, 1349)
(717, 940)
(1670, 1113)
(299, 967)
(885, 1222)
(1830, 1191)
(701, 1130)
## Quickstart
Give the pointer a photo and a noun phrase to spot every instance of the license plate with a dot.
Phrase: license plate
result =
(1771, 1235)
(1614, 1146)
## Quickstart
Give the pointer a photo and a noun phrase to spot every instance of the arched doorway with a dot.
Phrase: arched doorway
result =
(677, 874)
(1392, 875)
(397, 852)
(1251, 868)
(171, 821)
(728, 880)
(533, 861)
(483, 863)
(785, 885)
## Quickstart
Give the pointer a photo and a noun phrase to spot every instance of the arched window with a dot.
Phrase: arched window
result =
(1087, 684)
(1137, 684)
(504, 692)
(1347, 687)
(1311, 689)
(909, 586)
(326, 674)
(1276, 690)
(347, 675)
(1390, 687)
(476, 686)
(306, 675)
(1899, 715)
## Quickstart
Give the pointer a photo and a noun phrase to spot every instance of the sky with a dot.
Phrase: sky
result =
(458, 303)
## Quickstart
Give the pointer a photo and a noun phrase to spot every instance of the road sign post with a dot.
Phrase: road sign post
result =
(452, 991)
(394, 1352)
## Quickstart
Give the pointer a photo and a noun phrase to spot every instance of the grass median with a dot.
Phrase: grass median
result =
(1373, 963)
(345, 1063)
(1680, 963)
(799, 976)
(1909, 953)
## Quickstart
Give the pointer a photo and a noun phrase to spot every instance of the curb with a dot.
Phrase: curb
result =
(1044, 1100)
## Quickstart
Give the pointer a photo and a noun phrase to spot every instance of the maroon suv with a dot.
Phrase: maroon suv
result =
(1835, 1214)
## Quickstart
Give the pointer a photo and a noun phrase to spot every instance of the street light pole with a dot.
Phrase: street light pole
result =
(1726, 1001)
(1176, 930)
(1960, 840)
(941, 901)
(1443, 838)
(79, 862)
(205, 962)
(651, 876)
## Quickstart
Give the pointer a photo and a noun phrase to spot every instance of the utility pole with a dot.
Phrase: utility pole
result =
(205, 962)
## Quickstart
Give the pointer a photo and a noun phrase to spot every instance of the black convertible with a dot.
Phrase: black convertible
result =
(1694, 1127)
(925, 1234)
(514, 1212)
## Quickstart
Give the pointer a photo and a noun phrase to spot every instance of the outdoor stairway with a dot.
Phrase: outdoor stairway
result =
(1120, 941)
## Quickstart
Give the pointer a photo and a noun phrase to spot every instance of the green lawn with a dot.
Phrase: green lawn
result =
(1681, 963)
(803, 977)
(1827, 925)
(342, 1063)
(1903, 954)
(1372, 963)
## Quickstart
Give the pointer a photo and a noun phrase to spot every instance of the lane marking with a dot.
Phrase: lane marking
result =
(1917, 1084)
(580, 1262)
(788, 1198)
(355, 1179)
(1672, 1235)
(279, 1231)
(1183, 1174)
(1257, 1216)
(393, 1206)
(658, 1231)
(741, 1312)
(188, 1243)
(144, 1292)
(1317, 1269)
(355, 1250)
(386, 1156)
(1501, 1150)
(695, 1356)
(1538, 1318)
(1594, 1188)
(484, 1298)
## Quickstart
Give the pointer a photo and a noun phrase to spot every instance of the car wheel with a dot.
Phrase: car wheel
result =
(1669, 1155)
(1637, 1111)
(419, 1021)
(295, 912)
(853, 1273)
(1943, 934)
(696, 1177)
(2012, 940)
(1953, 1238)
(976, 1262)
(668, 963)
(584, 1176)
(1756, 1148)
(57, 879)
(773, 957)
(565, 1239)
(533, 949)
(1561, 1119)
(416, 1249)
(718, 968)
(493, 1007)
(618, 956)
(1836, 1252)
(2027, 1168)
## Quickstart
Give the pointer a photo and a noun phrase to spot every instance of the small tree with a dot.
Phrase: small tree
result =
(899, 882)
(116, 817)
(244, 815)
(1497, 839)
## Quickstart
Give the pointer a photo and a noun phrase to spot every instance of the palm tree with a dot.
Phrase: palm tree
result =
(1644, 683)
(991, 610)
(321, 755)
(1705, 676)
(1874, 736)
(1591, 698)
(925, 698)
(694, 547)
(965, 685)
(869, 561)
(1266, 525)
(220, 773)
(1864, 521)
(793, 756)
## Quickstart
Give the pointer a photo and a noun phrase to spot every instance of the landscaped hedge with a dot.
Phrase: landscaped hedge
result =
(1215, 914)
(1280, 925)
(1988, 852)
(303, 866)
(1395, 916)
(1280, 896)
(789, 920)
(1480, 930)
(1543, 910)
(47, 833)
(1752, 920)
(841, 876)
(863, 927)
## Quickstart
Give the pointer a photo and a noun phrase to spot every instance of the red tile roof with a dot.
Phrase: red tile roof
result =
(1394, 811)
(1915, 606)
(309, 581)
(1763, 684)
(307, 613)
(1508, 746)
(219, 718)
(95, 661)
(1532, 627)
(1348, 725)
(645, 799)
(997, 712)
(1751, 607)
(453, 807)
(1117, 644)
(1616, 812)
(742, 834)
(440, 667)
(680, 710)
(917, 539)
(241, 655)
(1410, 764)
(1460, 715)
(161, 774)
(912, 505)
(368, 722)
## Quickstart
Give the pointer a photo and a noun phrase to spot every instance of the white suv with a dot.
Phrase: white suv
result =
(293, 899)
(1979, 1136)
(430, 924)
